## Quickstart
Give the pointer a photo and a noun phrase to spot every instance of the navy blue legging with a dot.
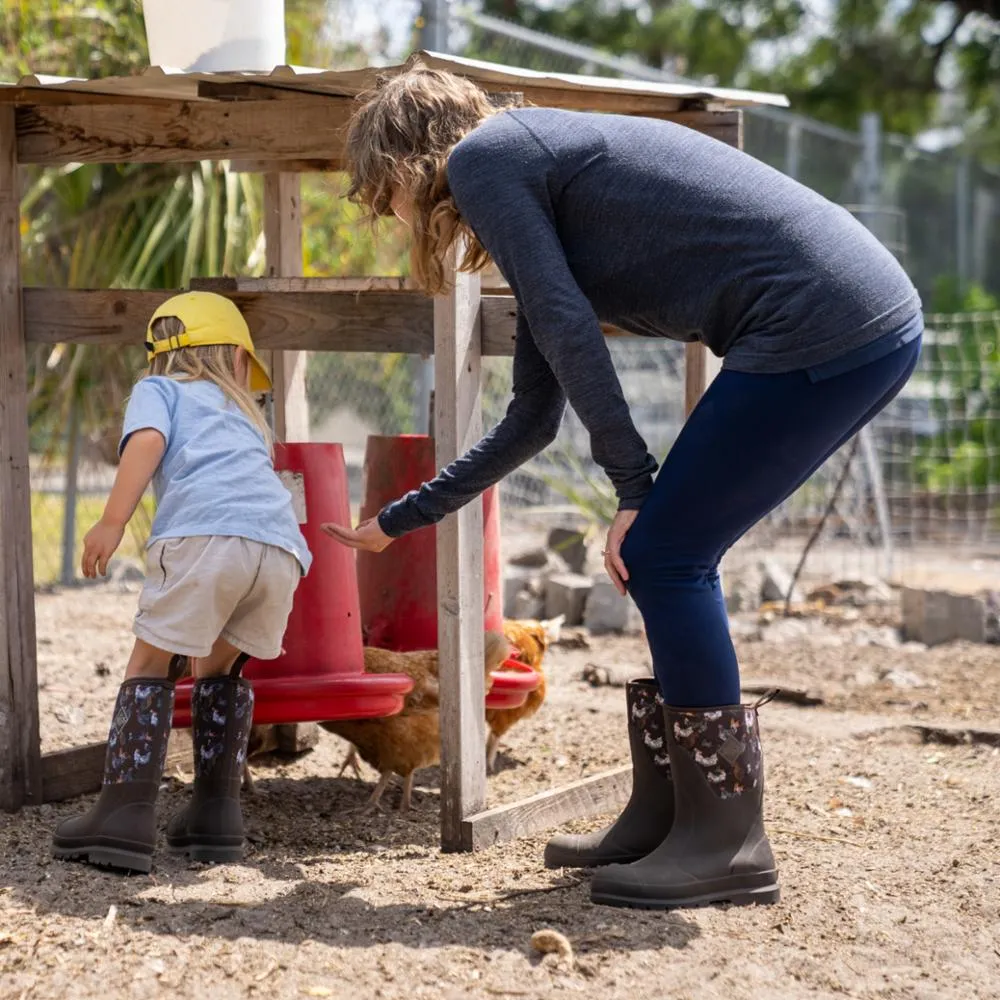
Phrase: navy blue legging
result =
(751, 442)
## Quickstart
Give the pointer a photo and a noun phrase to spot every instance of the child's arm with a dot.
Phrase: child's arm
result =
(143, 453)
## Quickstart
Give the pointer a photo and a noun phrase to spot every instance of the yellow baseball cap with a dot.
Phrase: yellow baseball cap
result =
(208, 319)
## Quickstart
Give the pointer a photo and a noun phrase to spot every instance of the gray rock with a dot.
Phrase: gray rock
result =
(776, 581)
(566, 594)
(531, 559)
(121, 569)
(527, 605)
(571, 545)
(936, 616)
(515, 581)
(606, 609)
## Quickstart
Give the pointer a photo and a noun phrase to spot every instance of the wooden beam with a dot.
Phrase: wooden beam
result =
(308, 127)
(287, 166)
(20, 762)
(301, 321)
(726, 126)
(601, 793)
(283, 238)
(361, 283)
(67, 774)
(458, 425)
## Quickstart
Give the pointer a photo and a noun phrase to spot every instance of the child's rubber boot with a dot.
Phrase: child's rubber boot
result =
(120, 829)
(717, 850)
(646, 819)
(210, 827)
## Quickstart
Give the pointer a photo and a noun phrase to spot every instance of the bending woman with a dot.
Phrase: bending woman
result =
(663, 232)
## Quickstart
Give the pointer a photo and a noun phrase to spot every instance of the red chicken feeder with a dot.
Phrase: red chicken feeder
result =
(512, 685)
(320, 675)
(398, 587)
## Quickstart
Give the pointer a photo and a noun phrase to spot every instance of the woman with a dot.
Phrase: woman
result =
(666, 233)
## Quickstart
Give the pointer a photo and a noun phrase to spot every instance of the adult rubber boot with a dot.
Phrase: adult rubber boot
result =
(717, 850)
(120, 829)
(210, 827)
(647, 816)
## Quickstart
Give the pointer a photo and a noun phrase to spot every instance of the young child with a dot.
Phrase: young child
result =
(224, 559)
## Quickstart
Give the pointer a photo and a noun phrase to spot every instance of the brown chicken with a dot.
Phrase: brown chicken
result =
(530, 639)
(401, 744)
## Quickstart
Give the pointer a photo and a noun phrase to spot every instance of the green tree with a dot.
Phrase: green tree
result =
(897, 57)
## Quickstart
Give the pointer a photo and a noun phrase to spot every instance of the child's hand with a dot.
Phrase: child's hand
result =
(367, 536)
(99, 546)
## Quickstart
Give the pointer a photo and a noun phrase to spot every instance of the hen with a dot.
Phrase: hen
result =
(401, 744)
(531, 639)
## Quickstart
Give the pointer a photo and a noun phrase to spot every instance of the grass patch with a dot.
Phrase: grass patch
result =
(47, 510)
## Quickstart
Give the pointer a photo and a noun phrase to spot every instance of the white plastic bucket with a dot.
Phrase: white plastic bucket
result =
(212, 36)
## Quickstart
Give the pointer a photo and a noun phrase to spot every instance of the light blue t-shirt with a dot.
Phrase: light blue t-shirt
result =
(216, 476)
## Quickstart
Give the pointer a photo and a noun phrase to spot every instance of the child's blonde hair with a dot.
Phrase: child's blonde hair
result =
(215, 363)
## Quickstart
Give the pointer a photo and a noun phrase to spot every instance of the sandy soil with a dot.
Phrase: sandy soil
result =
(888, 845)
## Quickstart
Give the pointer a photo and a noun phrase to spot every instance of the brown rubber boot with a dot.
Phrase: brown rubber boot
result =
(717, 851)
(210, 827)
(120, 829)
(647, 816)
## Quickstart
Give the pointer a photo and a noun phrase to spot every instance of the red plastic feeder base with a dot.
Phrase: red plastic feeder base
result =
(280, 700)
(512, 685)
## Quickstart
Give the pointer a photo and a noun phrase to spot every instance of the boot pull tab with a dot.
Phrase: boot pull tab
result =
(238, 664)
(766, 697)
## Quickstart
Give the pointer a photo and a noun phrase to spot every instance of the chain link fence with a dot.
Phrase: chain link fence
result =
(922, 487)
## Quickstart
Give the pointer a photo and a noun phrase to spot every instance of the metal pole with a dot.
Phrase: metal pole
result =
(793, 149)
(962, 216)
(69, 495)
(434, 37)
(871, 171)
(871, 205)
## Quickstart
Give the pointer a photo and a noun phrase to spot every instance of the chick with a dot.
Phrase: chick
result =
(401, 744)
(530, 639)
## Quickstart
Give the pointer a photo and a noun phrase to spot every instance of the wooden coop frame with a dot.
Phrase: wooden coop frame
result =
(283, 124)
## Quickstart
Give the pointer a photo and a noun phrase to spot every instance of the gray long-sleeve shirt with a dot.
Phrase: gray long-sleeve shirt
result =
(663, 232)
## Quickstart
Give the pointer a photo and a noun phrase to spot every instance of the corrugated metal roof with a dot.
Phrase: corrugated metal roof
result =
(158, 83)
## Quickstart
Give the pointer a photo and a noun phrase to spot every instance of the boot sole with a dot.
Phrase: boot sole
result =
(107, 857)
(762, 895)
(213, 854)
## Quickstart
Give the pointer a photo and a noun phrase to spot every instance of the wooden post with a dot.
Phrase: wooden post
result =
(457, 426)
(20, 755)
(283, 238)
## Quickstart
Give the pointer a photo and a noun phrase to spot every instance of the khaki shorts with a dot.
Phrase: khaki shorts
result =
(198, 589)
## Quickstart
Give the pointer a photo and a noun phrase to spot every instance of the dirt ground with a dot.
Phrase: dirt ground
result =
(887, 839)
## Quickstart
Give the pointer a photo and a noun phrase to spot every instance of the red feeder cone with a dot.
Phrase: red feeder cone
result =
(399, 586)
(320, 675)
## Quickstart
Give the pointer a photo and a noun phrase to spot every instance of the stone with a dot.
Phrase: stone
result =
(776, 582)
(566, 594)
(571, 545)
(741, 588)
(531, 559)
(121, 569)
(527, 605)
(936, 616)
(606, 610)
(515, 581)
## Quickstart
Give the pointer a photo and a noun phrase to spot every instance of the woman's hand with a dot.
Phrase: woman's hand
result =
(368, 536)
(99, 545)
(616, 569)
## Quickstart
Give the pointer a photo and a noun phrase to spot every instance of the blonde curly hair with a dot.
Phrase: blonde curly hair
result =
(399, 140)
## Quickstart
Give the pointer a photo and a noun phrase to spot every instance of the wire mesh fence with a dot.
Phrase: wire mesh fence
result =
(923, 484)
